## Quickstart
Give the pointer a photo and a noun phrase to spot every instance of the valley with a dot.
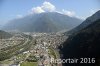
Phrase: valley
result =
(49, 33)
(35, 49)
(42, 45)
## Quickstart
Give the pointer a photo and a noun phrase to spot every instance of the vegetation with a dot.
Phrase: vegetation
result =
(4, 35)
(29, 64)
(85, 43)
(52, 52)
(10, 51)
(31, 59)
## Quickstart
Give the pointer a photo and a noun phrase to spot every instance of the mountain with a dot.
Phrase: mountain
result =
(4, 35)
(0, 26)
(43, 22)
(84, 44)
(87, 22)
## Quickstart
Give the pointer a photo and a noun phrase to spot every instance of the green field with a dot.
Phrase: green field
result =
(52, 52)
(29, 64)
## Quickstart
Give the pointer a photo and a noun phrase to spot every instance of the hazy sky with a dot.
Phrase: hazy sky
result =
(10, 9)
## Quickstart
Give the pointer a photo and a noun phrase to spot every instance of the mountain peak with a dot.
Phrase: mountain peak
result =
(49, 21)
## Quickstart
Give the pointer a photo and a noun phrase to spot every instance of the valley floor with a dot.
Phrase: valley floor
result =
(33, 49)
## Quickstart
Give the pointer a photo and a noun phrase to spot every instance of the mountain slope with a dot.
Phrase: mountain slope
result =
(43, 22)
(84, 44)
(45, 25)
(87, 22)
(4, 35)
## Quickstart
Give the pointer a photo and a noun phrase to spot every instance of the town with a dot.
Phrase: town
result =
(31, 49)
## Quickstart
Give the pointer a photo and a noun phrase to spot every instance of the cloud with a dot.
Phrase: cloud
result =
(48, 7)
(45, 7)
(37, 10)
(69, 13)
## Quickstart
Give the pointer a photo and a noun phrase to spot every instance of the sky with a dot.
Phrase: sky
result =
(11, 9)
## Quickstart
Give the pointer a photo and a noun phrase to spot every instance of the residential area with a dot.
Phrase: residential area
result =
(36, 49)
